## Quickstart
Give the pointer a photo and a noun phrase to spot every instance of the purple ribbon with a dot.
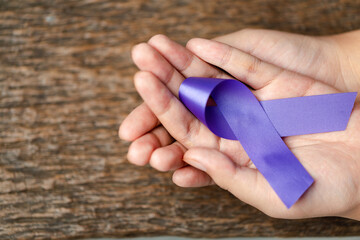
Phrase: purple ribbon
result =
(259, 126)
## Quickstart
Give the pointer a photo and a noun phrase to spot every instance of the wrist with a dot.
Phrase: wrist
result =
(347, 48)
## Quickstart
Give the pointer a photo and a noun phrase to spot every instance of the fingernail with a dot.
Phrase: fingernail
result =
(196, 164)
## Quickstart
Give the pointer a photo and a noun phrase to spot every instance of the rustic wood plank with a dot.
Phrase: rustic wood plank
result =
(65, 86)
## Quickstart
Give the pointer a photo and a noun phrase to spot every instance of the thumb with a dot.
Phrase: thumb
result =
(245, 183)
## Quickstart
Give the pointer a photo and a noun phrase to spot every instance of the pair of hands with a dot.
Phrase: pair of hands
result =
(276, 65)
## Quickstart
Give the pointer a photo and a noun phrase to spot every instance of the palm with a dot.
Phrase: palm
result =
(320, 153)
(331, 165)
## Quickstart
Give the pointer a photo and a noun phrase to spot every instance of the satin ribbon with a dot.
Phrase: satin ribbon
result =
(259, 126)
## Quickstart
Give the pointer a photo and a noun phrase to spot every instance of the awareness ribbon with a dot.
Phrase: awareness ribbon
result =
(259, 126)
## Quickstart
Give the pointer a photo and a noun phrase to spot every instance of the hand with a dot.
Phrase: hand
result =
(330, 59)
(329, 157)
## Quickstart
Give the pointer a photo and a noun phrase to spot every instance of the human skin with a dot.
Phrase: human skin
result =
(276, 65)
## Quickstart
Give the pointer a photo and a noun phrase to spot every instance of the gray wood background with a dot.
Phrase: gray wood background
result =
(65, 86)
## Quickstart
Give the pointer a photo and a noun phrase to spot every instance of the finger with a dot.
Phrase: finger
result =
(160, 57)
(298, 53)
(245, 183)
(168, 158)
(173, 115)
(179, 122)
(137, 123)
(269, 80)
(150, 60)
(191, 177)
(188, 64)
(241, 65)
(141, 149)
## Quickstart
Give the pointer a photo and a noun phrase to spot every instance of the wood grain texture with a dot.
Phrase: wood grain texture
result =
(65, 86)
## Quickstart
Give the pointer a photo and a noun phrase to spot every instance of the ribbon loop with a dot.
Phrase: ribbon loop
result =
(238, 115)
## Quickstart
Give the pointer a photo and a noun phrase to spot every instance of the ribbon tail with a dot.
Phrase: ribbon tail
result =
(310, 114)
(259, 138)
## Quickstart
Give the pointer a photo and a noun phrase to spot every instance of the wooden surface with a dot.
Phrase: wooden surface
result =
(65, 86)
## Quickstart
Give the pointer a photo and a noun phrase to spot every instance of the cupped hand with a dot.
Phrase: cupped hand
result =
(165, 133)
